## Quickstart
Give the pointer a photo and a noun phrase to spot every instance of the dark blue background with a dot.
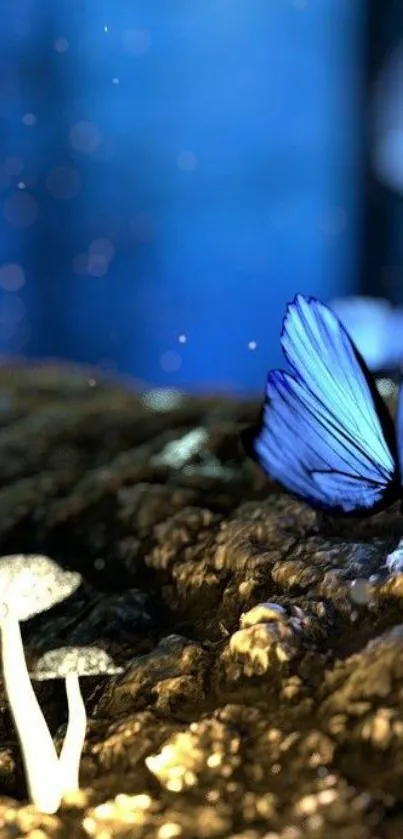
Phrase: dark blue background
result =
(171, 174)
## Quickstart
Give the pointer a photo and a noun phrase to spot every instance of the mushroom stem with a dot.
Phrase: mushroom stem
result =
(69, 760)
(37, 747)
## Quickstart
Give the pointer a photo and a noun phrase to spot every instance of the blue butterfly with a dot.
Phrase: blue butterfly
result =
(325, 433)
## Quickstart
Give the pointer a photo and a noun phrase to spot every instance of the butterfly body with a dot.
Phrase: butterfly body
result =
(325, 432)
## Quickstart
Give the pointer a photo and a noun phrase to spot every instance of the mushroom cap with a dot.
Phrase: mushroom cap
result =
(80, 661)
(33, 583)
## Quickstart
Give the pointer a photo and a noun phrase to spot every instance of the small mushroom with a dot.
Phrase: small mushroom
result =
(71, 663)
(30, 584)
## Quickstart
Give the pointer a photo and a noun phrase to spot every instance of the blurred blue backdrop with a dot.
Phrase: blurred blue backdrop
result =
(171, 175)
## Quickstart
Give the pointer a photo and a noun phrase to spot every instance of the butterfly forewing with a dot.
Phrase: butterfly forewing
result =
(320, 351)
(325, 433)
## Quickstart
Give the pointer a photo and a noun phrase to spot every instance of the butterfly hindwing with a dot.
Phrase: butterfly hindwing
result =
(326, 435)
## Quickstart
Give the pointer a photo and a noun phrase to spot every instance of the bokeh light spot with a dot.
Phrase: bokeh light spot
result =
(20, 334)
(12, 310)
(252, 345)
(12, 276)
(186, 161)
(21, 26)
(136, 41)
(85, 137)
(97, 265)
(80, 263)
(21, 209)
(29, 119)
(63, 182)
(170, 361)
(99, 564)
(61, 44)
(14, 165)
(102, 247)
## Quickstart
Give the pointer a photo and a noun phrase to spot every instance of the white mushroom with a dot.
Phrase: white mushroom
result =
(71, 663)
(30, 584)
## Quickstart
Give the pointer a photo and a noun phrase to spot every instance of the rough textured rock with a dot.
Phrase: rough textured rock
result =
(262, 645)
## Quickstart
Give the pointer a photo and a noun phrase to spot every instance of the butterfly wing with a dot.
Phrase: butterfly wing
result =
(325, 432)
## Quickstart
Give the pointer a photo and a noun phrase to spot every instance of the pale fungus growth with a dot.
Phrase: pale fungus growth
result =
(31, 584)
(71, 664)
